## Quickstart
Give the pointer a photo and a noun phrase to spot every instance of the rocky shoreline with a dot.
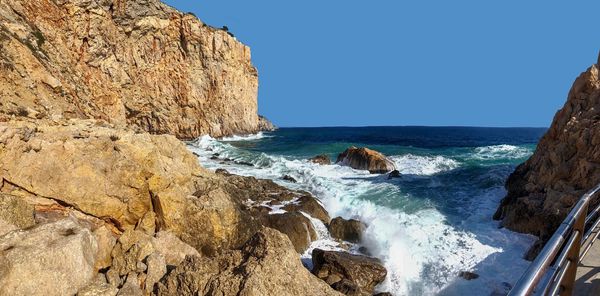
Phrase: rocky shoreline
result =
(91, 208)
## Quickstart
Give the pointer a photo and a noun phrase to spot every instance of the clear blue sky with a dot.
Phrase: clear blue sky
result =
(356, 63)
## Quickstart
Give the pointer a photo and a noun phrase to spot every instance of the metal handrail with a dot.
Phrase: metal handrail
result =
(557, 262)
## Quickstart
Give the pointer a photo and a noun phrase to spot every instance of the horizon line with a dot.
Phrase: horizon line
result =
(445, 126)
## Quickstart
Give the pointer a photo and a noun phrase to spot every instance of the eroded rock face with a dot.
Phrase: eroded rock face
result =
(296, 226)
(50, 259)
(542, 190)
(365, 159)
(348, 230)
(138, 62)
(348, 273)
(266, 265)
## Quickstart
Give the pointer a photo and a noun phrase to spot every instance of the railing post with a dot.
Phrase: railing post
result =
(573, 254)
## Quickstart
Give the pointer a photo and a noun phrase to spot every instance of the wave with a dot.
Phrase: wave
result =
(421, 250)
(423, 165)
(500, 152)
(250, 137)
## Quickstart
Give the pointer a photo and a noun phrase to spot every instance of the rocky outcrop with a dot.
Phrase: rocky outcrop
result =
(51, 259)
(347, 273)
(266, 265)
(296, 226)
(348, 230)
(265, 125)
(125, 178)
(366, 159)
(138, 62)
(320, 159)
(565, 165)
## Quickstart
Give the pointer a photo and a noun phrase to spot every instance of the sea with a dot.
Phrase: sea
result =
(427, 226)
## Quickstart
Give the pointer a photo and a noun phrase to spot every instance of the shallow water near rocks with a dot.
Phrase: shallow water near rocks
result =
(427, 226)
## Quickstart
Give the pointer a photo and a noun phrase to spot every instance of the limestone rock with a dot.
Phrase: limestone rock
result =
(296, 226)
(320, 159)
(157, 268)
(348, 230)
(351, 274)
(16, 211)
(265, 125)
(565, 165)
(6, 227)
(49, 259)
(136, 62)
(365, 159)
(266, 265)
(119, 176)
(172, 248)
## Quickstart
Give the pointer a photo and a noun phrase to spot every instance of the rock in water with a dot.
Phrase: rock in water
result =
(266, 265)
(542, 190)
(49, 259)
(348, 230)
(296, 226)
(394, 174)
(135, 62)
(366, 159)
(289, 179)
(265, 125)
(321, 159)
(352, 274)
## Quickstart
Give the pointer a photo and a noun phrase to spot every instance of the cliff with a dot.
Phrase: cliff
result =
(140, 63)
(566, 164)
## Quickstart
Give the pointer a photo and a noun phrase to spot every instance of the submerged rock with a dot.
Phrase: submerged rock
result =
(266, 265)
(542, 190)
(289, 178)
(366, 159)
(321, 159)
(348, 273)
(348, 230)
(467, 275)
(49, 259)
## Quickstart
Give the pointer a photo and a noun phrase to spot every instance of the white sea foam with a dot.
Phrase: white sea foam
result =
(500, 152)
(423, 165)
(249, 137)
(422, 252)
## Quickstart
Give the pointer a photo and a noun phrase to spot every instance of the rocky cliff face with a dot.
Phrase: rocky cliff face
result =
(565, 165)
(140, 63)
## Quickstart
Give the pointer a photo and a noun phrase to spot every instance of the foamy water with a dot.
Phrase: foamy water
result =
(421, 248)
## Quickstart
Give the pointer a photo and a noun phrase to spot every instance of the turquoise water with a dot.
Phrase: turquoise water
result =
(426, 226)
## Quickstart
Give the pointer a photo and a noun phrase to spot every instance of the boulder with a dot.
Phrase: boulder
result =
(310, 205)
(296, 226)
(467, 275)
(289, 179)
(321, 159)
(348, 230)
(50, 259)
(172, 248)
(266, 265)
(355, 274)
(394, 174)
(366, 159)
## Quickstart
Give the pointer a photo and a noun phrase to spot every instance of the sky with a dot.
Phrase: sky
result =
(434, 63)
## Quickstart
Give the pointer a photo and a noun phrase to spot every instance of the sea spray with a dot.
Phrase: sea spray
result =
(424, 239)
